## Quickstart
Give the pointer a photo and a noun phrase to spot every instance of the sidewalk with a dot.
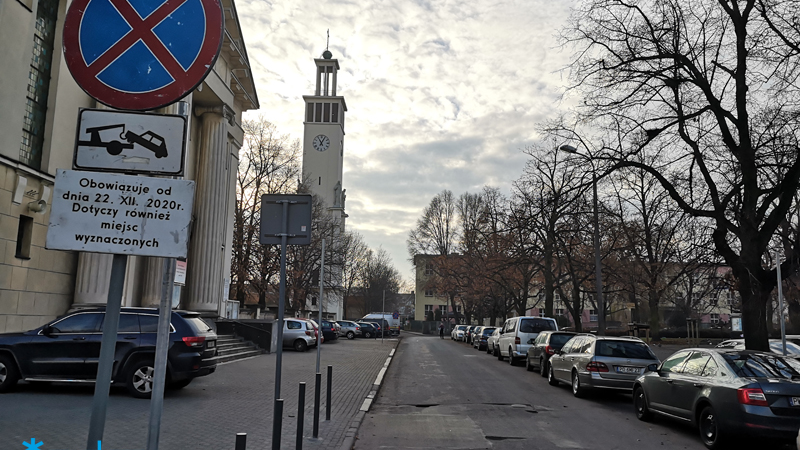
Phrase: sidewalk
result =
(207, 414)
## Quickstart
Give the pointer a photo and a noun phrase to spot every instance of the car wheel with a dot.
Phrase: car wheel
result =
(542, 367)
(8, 373)
(180, 384)
(708, 425)
(300, 345)
(640, 405)
(577, 390)
(350, 335)
(528, 365)
(140, 379)
(510, 357)
(551, 378)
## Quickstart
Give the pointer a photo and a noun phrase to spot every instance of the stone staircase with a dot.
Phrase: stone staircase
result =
(231, 348)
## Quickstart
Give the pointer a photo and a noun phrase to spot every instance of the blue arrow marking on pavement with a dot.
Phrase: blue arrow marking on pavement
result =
(183, 32)
(100, 19)
(146, 7)
(136, 70)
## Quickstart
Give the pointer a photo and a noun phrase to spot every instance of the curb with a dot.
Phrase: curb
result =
(352, 430)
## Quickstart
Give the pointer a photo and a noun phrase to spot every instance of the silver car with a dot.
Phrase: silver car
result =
(588, 361)
(299, 334)
(349, 329)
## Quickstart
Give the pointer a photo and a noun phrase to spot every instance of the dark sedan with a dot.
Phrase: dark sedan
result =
(724, 393)
(547, 343)
(480, 340)
(368, 329)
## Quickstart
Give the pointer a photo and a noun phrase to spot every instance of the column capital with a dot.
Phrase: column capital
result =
(221, 110)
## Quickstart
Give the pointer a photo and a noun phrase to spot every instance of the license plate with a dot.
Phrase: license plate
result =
(211, 344)
(794, 401)
(629, 370)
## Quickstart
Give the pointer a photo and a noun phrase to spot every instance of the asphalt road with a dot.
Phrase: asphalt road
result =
(444, 394)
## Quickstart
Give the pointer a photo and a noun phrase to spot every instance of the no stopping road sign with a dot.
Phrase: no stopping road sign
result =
(141, 54)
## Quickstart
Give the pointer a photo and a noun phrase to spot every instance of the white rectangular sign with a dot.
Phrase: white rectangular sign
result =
(130, 142)
(120, 214)
(180, 272)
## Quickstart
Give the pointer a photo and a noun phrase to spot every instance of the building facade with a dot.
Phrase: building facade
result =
(41, 102)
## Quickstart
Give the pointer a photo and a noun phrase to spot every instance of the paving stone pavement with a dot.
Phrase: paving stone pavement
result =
(206, 415)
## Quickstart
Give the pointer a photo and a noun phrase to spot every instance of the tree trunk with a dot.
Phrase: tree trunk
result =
(754, 312)
(655, 321)
(794, 317)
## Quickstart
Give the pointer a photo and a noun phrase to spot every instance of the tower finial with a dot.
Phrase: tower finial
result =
(327, 53)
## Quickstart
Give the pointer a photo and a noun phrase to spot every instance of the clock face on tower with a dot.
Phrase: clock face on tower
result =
(321, 143)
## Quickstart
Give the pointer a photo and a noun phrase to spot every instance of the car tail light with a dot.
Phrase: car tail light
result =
(549, 350)
(517, 341)
(194, 341)
(595, 366)
(752, 396)
(308, 333)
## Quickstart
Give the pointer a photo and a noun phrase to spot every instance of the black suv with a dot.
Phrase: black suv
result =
(68, 349)
(329, 331)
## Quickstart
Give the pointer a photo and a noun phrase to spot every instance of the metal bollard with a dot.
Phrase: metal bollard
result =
(316, 404)
(328, 400)
(241, 441)
(277, 424)
(301, 409)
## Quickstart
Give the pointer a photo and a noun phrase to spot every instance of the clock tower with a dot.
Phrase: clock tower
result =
(323, 138)
(323, 155)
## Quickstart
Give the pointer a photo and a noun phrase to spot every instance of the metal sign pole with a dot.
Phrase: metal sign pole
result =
(278, 409)
(108, 343)
(162, 346)
(319, 303)
(780, 300)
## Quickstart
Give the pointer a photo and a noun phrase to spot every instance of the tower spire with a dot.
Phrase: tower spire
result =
(327, 53)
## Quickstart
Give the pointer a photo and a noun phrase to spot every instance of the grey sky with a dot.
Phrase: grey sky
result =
(441, 94)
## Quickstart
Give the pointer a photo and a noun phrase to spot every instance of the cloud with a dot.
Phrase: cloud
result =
(441, 94)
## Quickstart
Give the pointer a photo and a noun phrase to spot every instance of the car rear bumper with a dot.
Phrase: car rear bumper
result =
(759, 421)
(594, 380)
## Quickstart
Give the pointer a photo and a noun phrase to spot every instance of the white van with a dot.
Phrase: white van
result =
(394, 324)
(518, 334)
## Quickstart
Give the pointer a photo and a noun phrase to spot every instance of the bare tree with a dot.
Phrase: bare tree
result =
(711, 87)
(436, 230)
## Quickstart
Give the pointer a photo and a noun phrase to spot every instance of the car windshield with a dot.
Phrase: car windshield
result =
(763, 365)
(461, 327)
(487, 331)
(535, 325)
(624, 349)
(560, 339)
(198, 324)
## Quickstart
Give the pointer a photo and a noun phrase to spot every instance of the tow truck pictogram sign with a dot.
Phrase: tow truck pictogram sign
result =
(129, 142)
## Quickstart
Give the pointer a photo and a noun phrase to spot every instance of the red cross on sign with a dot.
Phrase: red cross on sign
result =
(141, 54)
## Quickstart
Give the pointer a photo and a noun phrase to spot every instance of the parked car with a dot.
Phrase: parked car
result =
(300, 334)
(458, 332)
(482, 337)
(491, 341)
(349, 329)
(329, 331)
(518, 334)
(368, 329)
(380, 330)
(475, 331)
(544, 346)
(386, 320)
(587, 361)
(725, 393)
(68, 348)
(775, 346)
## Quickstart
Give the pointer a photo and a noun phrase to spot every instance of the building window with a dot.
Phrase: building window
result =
(313, 300)
(541, 312)
(592, 315)
(326, 115)
(443, 308)
(696, 297)
(429, 269)
(458, 309)
(428, 292)
(335, 113)
(309, 112)
(559, 311)
(24, 237)
(714, 318)
(30, 151)
(556, 297)
(730, 298)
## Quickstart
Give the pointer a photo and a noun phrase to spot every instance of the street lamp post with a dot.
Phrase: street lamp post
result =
(598, 268)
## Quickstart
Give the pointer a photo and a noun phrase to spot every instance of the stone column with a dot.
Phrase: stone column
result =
(151, 281)
(205, 263)
(92, 279)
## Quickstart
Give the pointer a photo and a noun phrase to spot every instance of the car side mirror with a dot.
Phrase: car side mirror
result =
(47, 330)
(652, 368)
(502, 332)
